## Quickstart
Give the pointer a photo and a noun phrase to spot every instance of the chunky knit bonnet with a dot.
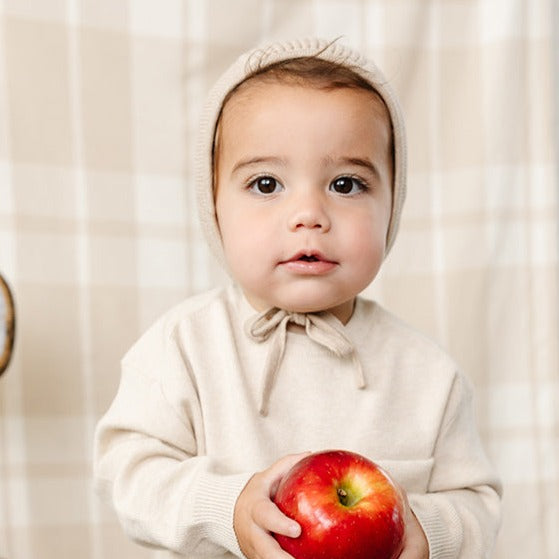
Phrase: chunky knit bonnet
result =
(257, 60)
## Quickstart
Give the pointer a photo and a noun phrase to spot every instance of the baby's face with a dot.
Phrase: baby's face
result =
(303, 194)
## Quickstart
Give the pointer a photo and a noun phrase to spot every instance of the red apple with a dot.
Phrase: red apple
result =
(346, 505)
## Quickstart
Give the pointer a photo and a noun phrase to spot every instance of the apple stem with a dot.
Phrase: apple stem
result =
(342, 496)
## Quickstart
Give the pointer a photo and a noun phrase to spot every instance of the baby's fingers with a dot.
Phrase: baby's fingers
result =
(263, 546)
(273, 475)
(267, 516)
(255, 515)
(277, 470)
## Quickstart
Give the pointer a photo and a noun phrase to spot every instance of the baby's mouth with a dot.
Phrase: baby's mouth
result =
(308, 256)
(309, 264)
(308, 259)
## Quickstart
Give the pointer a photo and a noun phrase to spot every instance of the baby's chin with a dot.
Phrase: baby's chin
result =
(341, 311)
(302, 301)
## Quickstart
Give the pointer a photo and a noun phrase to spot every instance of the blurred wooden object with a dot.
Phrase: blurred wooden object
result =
(7, 324)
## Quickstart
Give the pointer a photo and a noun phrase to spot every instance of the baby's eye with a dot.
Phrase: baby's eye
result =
(347, 185)
(265, 185)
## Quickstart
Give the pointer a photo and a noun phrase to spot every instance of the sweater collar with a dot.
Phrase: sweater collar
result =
(322, 328)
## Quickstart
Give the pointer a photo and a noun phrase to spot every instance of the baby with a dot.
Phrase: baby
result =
(301, 181)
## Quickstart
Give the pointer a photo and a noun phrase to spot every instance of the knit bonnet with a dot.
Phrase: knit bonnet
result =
(257, 60)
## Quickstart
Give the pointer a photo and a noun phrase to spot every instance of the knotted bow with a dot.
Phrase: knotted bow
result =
(320, 327)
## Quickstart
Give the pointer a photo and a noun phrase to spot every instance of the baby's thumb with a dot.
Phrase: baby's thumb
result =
(279, 469)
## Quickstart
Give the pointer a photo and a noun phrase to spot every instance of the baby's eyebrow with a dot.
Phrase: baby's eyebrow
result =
(355, 161)
(258, 160)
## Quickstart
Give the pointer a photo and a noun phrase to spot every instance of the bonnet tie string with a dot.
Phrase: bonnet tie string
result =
(320, 327)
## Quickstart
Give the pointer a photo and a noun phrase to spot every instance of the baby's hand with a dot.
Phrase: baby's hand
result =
(415, 542)
(255, 514)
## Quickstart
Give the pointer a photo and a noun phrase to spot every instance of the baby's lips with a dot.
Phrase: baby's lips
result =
(308, 256)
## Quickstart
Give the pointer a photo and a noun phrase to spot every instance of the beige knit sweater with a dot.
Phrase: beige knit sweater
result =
(186, 430)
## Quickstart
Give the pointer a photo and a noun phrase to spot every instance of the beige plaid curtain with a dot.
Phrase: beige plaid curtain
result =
(98, 234)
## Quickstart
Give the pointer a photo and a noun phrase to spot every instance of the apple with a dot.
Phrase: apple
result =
(347, 507)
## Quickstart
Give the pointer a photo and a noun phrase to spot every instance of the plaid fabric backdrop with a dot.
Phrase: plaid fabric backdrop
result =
(99, 101)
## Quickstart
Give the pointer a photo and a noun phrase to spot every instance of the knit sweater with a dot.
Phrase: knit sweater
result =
(186, 430)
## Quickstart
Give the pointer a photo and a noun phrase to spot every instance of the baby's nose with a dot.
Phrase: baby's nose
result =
(309, 213)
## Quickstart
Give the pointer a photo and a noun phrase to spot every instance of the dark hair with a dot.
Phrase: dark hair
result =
(311, 70)
(306, 71)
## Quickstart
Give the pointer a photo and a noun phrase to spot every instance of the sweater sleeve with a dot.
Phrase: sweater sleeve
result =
(147, 465)
(460, 513)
